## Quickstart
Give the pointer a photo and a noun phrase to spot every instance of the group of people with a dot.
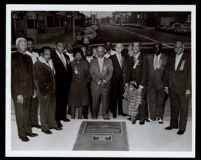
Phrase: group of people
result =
(123, 83)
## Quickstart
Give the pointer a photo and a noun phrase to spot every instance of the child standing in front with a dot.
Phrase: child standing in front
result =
(132, 100)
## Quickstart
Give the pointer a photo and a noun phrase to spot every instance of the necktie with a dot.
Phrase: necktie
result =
(101, 65)
(156, 62)
(120, 60)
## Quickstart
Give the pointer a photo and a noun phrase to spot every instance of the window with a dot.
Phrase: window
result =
(49, 21)
(56, 21)
(30, 23)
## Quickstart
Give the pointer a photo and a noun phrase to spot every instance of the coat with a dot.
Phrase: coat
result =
(179, 80)
(63, 76)
(154, 78)
(78, 93)
(44, 79)
(136, 74)
(96, 75)
(120, 75)
(21, 75)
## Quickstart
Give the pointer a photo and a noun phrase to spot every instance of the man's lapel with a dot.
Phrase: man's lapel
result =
(117, 61)
(180, 62)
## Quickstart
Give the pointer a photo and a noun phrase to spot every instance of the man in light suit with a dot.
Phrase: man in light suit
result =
(178, 84)
(101, 72)
(154, 71)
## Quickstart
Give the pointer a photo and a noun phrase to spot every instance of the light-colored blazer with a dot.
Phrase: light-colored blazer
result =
(96, 74)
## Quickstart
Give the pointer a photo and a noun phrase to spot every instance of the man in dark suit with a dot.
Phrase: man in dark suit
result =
(63, 78)
(22, 89)
(101, 72)
(154, 71)
(119, 78)
(43, 75)
(136, 74)
(178, 84)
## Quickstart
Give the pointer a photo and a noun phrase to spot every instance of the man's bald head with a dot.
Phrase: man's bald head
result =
(100, 51)
(118, 48)
(179, 47)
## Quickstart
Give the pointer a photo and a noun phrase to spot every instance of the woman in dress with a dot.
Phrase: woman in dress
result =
(78, 94)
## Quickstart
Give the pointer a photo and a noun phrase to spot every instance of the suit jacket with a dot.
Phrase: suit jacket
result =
(136, 74)
(179, 80)
(120, 75)
(152, 77)
(96, 73)
(44, 79)
(63, 76)
(21, 75)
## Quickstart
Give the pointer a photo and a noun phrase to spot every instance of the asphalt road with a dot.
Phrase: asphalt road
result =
(125, 34)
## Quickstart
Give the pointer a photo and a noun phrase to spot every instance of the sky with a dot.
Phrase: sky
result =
(99, 14)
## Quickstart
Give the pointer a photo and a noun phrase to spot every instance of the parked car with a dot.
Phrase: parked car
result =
(94, 26)
(183, 28)
(171, 27)
(90, 33)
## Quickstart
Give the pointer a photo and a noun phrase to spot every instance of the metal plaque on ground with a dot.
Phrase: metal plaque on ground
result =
(100, 135)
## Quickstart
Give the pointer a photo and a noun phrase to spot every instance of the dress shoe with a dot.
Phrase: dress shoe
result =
(58, 128)
(106, 118)
(59, 124)
(141, 122)
(47, 132)
(170, 127)
(180, 132)
(160, 121)
(36, 126)
(24, 139)
(129, 118)
(86, 117)
(114, 116)
(66, 120)
(32, 134)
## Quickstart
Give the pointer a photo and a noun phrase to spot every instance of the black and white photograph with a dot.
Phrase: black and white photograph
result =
(100, 80)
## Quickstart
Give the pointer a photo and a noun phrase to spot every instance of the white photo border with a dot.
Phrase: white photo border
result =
(40, 7)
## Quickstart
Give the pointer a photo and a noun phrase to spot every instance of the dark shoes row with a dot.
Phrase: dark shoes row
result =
(180, 132)
(26, 139)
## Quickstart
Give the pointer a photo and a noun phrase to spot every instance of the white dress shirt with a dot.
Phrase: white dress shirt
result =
(100, 62)
(34, 56)
(109, 53)
(89, 58)
(61, 56)
(157, 61)
(136, 55)
(177, 60)
(119, 57)
(70, 55)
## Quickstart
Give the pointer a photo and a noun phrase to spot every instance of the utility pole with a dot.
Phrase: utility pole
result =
(73, 16)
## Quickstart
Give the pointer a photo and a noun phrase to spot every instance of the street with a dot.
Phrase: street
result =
(124, 34)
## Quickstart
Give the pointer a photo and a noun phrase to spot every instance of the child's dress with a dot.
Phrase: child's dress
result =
(132, 100)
